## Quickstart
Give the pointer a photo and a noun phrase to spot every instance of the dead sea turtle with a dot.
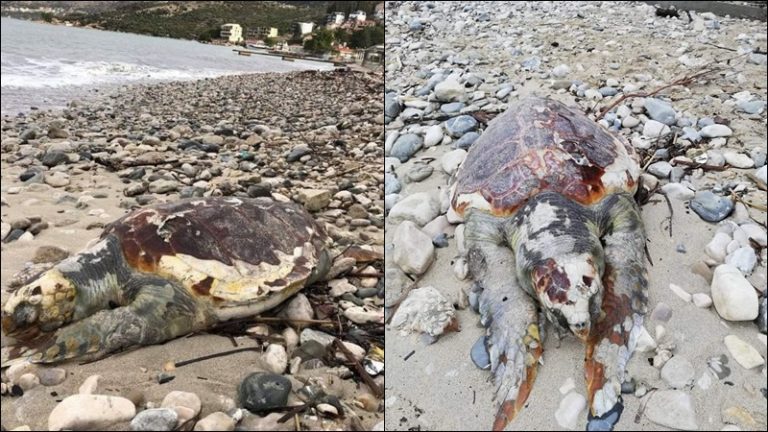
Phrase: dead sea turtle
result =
(165, 271)
(553, 233)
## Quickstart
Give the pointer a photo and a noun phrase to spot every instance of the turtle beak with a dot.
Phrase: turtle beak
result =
(24, 315)
(581, 330)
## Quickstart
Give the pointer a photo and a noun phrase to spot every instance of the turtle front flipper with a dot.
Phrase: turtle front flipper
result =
(158, 312)
(511, 319)
(624, 305)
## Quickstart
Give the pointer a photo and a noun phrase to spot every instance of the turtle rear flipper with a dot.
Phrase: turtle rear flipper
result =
(624, 305)
(158, 312)
(511, 319)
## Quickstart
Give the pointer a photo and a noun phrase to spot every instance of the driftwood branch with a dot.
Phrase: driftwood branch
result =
(684, 81)
(358, 368)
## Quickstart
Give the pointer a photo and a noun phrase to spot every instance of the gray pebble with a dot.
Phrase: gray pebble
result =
(160, 419)
(406, 146)
(440, 240)
(260, 392)
(661, 312)
(479, 354)
(660, 111)
(660, 169)
(711, 207)
(419, 172)
(460, 125)
(466, 141)
(391, 184)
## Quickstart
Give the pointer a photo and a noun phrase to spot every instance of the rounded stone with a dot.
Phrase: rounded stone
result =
(733, 296)
(90, 412)
(678, 372)
(260, 392)
(711, 207)
(157, 419)
(458, 126)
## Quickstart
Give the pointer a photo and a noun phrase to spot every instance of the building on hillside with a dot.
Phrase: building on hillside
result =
(344, 53)
(334, 19)
(303, 28)
(357, 16)
(232, 32)
(374, 55)
(262, 33)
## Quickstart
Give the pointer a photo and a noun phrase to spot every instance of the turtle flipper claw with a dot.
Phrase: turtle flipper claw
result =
(624, 304)
(511, 319)
(514, 361)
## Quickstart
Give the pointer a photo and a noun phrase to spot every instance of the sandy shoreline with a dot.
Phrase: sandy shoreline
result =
(247, 125)
(474, 59)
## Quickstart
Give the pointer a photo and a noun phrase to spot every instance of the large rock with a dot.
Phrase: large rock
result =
(314, 199)
(414, 251)
(419, 208)
(734, 297)
(90, 412)
(425, 310)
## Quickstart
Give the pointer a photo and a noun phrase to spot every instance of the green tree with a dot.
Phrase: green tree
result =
(47, 16)
(321, 42)
(341, 35)
(367, 37)
(270, 41)
(209, 35)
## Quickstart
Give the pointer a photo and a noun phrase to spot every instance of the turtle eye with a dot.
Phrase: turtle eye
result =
(25, 313)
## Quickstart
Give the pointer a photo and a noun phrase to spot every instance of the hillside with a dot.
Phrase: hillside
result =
(179, 19)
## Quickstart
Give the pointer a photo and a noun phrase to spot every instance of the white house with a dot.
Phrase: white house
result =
(302, 28)
(232, 32)
(357, 16)
(334, 19)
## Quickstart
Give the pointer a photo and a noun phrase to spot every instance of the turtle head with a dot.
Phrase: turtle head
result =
(569, 290)
(45, 304)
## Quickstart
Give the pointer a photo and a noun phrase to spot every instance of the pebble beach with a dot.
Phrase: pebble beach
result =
(315, 138)
(450, 69)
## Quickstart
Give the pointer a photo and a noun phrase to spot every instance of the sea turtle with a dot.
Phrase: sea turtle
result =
(165, 271)
(553, 233)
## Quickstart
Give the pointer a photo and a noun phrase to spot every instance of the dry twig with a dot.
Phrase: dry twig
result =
(684, 81)
(358, 368)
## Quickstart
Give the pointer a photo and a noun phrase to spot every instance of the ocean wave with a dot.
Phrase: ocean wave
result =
(35, 73)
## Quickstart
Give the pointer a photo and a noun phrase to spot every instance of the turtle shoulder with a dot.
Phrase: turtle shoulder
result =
(543, 145)
(235, 251)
